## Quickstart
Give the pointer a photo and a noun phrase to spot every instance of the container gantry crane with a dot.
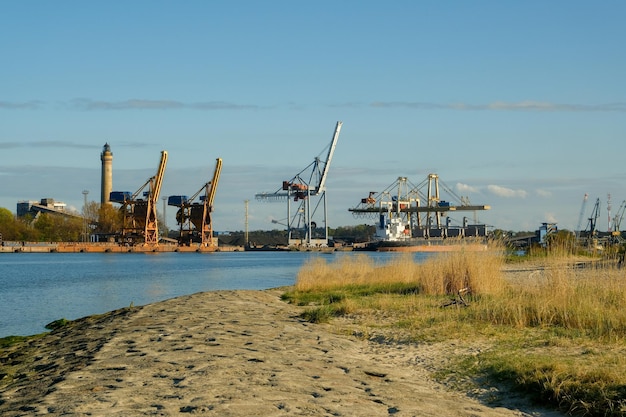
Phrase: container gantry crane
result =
(302, 229)
(193, 217)
(140, 224)
(405, 210)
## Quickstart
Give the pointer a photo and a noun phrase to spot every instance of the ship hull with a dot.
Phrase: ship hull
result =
(423, 245)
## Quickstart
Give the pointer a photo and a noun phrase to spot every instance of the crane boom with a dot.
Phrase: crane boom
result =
(215, 180)
(151, 232)
(329, 157)
(158, 182)
(207, 223)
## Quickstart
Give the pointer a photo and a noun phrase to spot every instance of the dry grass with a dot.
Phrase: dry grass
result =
(556, 330)
(444, 274)
(591, 301)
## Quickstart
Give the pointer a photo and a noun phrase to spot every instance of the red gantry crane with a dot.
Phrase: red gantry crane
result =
(194, 218)
(140, 224)
(302, 229)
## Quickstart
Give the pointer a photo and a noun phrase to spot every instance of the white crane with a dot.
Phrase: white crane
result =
(580, 216)
(301, 227)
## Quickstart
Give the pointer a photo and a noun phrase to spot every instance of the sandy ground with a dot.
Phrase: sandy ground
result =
(229, 353)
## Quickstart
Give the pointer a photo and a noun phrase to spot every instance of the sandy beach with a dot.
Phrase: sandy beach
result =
(229, 353)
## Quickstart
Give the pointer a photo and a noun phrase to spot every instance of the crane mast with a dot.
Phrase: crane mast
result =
(608, 209)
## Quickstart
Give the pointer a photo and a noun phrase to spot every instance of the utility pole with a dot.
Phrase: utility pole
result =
(608, 208)
(85, 234)
(165, 214)
(245, 238)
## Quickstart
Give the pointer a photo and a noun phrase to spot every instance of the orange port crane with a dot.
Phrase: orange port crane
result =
(194, 218)
(302, 229)
(140, 224)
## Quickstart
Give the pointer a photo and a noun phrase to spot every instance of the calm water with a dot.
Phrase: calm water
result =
(38, 288)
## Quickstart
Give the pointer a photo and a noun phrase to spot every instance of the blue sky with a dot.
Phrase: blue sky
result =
(517, 105)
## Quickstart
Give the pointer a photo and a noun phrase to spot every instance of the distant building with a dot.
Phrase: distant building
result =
(45, 205)
(544, 231)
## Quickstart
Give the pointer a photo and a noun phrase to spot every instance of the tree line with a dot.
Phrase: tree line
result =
(106, 220)
(45, 227)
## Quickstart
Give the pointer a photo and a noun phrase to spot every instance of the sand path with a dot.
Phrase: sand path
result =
(226, 353)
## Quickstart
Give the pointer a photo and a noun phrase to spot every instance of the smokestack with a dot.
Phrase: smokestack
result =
(106, 185)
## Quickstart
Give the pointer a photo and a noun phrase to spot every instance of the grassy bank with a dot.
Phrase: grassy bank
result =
(554, 331)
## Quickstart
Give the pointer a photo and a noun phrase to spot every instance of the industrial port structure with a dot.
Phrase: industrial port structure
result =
(194, 218)
(590, 235)
(140, 229)
(405, 214)
(138, 210)
(416, 216)
(304, 193)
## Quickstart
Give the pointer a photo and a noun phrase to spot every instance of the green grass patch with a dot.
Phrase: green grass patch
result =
(9, 341)
(57, 324)
(323, 314)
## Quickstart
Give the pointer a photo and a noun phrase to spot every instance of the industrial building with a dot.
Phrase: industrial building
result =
(45, 205)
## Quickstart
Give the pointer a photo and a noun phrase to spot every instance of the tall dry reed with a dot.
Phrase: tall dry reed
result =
(591, 300)
(443, 274)
(555, 294)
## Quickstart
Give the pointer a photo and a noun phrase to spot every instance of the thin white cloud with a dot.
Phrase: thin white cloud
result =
(44, 144)
(142, 104)
(10, 145)
(543, 193)
(506, 192)
(64, 144)
(86, 104)
(529, 106)
(550, 217)
(465, 188)
(22, 105)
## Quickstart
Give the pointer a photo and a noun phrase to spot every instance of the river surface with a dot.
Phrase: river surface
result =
(38, 288)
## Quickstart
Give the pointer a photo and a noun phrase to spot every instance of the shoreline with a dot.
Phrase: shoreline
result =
(227, 353)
